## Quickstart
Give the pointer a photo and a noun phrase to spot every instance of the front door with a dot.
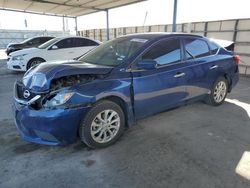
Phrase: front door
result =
(163, 87)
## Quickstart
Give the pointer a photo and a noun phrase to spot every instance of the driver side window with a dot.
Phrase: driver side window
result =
(164, 52)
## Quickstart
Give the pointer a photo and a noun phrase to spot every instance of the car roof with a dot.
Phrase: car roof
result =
(66, 37)
(42, 37)
(155, 35)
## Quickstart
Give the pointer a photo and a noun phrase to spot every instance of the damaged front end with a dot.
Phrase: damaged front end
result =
(50, 101)
(59, 92)
(50, 85)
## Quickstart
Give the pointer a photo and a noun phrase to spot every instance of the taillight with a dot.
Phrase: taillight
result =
(237, 59)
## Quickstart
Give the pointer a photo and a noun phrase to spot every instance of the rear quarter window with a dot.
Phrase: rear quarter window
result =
(214, 48)
(84, 42)
(196, 48)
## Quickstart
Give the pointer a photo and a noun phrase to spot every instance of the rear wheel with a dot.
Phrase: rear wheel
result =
(103, 125)
(34, 62)
(218, 92)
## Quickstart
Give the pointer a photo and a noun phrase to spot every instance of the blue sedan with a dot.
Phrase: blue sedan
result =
(99, 94)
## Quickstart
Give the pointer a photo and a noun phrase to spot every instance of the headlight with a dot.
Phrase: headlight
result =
(58, 99)
(18, 57)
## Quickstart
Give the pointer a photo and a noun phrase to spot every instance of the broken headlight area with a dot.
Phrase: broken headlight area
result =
(57, 99)
(51, 99)
(59, 93)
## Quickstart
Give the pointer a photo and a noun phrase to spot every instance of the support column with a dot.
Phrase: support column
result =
(174, 16)
(205, 29)
(63, 25)
(107, 21)
(235, 30)
(76, 26)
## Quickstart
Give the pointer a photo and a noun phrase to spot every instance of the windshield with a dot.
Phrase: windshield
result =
(48, 43)
(114, 52)
(27, 40)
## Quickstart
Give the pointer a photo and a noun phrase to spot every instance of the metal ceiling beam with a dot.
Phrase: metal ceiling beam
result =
(106, 5)
(73, 6)
(65, 4)
(118, 6)
(37, 13)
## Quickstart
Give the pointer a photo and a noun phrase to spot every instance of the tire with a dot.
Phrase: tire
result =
(96, 131)
(34, 61)
(218, 92)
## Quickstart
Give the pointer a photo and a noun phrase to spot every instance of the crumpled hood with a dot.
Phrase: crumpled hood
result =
(38, 78)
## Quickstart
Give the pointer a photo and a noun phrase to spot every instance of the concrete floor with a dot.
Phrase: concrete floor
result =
(191, 146)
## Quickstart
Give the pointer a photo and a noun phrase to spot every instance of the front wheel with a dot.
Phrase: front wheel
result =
(103, 125)
(218, 92)
(34, 62)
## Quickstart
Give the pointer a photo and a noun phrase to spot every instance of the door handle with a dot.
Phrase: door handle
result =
(179, 74)
(213, 67)
(71, 52)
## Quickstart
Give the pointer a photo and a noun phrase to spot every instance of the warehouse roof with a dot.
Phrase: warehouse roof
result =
(70, 8)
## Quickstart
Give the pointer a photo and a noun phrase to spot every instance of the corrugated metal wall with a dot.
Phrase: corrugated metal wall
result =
(8, 36)
(237, 30)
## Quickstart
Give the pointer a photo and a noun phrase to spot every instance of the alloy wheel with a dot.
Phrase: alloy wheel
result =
(105, 126)
(220, 91)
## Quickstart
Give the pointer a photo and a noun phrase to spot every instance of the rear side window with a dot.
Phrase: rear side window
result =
(196, 48)
(165, 52)
(214, 48)
(34, 41)
(65, 43)
(44, 39)
(84, 42)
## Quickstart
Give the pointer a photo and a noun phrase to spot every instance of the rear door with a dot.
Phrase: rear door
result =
(163, 87)
(201, 64)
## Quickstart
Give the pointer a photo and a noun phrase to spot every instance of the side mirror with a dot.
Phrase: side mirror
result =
(54, 47)
(146, 64)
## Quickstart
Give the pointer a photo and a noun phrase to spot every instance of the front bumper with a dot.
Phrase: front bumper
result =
(16, 65)
(49, 127)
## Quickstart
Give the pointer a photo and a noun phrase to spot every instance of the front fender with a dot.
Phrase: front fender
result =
(90, 93)
(99, 89)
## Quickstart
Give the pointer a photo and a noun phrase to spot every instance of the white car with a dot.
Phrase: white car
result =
(61, 48)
